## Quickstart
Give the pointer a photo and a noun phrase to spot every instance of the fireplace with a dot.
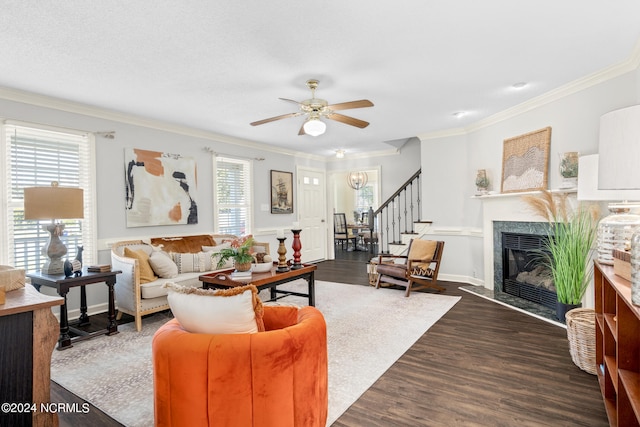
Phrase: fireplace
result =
(525, 273)
(516, 269)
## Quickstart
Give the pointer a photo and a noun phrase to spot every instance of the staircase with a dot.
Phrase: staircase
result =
(398, 218)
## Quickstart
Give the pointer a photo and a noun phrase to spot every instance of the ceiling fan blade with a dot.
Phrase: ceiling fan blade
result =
(290, 100)
(273, 119)
(302, 132)
(347, 120)
(351, 104)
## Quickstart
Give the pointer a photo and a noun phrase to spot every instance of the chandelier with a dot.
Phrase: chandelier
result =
(357, 180)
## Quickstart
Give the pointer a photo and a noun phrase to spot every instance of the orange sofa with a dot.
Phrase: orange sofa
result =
(275, 378)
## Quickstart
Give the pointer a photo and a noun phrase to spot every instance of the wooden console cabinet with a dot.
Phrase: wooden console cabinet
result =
(28, 334)
(617, 347)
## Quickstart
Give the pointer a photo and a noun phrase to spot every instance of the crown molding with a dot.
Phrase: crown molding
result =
(447, 133)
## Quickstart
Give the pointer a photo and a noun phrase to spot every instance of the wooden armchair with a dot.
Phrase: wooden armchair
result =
(419, 267)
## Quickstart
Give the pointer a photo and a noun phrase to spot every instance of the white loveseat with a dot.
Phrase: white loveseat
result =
(139, 299)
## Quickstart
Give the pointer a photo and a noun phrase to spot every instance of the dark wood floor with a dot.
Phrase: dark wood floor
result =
(482, 364)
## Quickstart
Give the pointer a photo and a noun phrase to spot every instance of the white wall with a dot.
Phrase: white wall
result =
(453, 161)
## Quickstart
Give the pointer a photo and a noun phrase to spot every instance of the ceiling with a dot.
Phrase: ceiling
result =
(217, 66)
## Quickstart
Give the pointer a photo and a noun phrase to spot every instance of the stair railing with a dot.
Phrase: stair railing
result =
(397, 215)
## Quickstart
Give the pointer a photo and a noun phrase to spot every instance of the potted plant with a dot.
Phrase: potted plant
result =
(569, 247)
(240, 251)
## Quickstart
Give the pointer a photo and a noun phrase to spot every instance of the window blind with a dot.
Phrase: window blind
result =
(233, 196)
(36, 157)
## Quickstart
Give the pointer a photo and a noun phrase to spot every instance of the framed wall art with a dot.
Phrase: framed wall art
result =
(281, 192)
(159, 188)
(525, 161)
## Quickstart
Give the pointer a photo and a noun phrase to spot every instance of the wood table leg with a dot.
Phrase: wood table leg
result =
(112, 327)
(312, 289)
(64, 341)
(84, 318)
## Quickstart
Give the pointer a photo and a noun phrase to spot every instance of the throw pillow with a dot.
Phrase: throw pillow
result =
(421, 252)
(146, 272)
(236, 310)
(162, 264)
(189, 263)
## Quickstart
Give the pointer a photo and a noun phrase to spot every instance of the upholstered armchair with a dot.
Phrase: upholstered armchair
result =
(275, 378)
(416, 270)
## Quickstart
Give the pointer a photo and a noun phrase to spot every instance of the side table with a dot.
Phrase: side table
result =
(62, 285)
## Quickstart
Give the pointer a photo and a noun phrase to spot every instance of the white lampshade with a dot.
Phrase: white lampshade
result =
(619, 150)
(314, 127)
(588, 183)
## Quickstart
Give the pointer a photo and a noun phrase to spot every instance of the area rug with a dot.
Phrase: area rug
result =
(368, 329)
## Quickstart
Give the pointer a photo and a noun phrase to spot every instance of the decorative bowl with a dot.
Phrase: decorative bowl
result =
(261, 267)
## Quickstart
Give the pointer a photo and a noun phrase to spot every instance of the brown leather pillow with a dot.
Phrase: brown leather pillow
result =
(185, 244)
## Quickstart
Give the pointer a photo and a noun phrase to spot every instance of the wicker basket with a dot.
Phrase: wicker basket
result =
(11, 278)
(581, 333)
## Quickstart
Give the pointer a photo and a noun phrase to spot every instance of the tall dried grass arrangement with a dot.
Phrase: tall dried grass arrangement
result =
(570, 242)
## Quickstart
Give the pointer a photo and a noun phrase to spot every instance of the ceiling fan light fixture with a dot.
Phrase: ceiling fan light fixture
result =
(314, 127)
(340, 154)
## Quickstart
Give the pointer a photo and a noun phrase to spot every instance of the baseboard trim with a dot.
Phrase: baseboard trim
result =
(460, 278)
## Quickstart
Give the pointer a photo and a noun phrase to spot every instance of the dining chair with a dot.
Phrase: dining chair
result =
(342, 233)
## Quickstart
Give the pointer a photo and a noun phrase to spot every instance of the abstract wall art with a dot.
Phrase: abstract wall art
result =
(525, 161)
(159, 188)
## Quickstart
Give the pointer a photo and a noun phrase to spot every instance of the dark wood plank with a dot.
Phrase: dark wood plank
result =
(481, 364)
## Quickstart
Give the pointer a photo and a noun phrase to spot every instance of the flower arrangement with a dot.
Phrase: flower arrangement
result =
(569, 245)
(241, 251)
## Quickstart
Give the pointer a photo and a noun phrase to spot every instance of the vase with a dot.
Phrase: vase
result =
(615, 231)
(242, 266)
(562, 309)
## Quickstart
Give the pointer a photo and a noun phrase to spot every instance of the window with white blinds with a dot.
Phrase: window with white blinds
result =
(233, 196)
(35, 157)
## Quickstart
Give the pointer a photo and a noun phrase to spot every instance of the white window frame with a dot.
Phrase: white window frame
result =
(87, 181)
(248, 188)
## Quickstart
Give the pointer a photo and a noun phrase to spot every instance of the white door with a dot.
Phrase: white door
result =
(312, 214)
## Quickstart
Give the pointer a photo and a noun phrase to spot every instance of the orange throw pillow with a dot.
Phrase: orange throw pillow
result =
(146, 272)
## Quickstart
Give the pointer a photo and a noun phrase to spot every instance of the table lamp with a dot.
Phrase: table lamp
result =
(53, 203)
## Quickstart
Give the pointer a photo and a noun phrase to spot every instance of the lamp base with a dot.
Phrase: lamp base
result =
(54, 250)
(53, 266)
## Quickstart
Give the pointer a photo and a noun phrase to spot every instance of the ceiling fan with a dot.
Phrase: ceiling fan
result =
(316, 108)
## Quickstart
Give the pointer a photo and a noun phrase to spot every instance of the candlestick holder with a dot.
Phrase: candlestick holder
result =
(282, 259)
(296, 246)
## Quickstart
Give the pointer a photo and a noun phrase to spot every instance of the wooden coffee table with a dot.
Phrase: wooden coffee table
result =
(269, 280)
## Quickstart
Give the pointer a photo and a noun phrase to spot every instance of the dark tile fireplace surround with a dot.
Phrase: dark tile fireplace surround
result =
(542, 308)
